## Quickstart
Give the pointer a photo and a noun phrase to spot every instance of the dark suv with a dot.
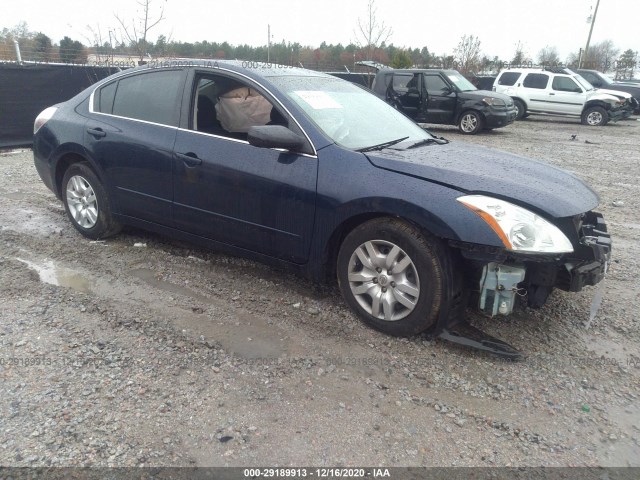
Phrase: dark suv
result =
(445, 97)
(598, 80)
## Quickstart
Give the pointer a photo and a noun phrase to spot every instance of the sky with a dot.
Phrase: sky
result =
(438, 25)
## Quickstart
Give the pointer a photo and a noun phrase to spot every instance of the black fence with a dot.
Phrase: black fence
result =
(27, 89)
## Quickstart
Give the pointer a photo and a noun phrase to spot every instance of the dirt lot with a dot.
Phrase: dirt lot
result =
(143, 351)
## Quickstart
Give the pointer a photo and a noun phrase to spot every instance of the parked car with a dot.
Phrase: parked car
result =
(483, 82)
(444, 97)
(555, 91)
(598, 80)
(317, 175)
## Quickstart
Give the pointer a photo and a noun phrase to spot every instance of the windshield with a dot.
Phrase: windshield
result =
(605, 80)
(351, 116)
(586, 85)
(461, 83)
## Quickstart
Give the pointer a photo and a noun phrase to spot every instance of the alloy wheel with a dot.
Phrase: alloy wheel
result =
(384, 280)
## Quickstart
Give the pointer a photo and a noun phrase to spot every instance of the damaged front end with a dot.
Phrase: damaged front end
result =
(503, 279)
(498, 280)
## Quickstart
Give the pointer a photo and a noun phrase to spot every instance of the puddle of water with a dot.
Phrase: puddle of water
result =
(248, 336)
(52, 274)
(149, 277)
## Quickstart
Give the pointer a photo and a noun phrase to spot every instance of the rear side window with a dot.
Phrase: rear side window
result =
(508, 78)
(536, 80)
(150, 96)
(104, 99)
(401, 82)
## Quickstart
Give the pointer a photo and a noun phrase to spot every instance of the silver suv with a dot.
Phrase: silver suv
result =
(563, 92)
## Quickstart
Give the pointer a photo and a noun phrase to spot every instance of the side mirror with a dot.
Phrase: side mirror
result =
(274, 136)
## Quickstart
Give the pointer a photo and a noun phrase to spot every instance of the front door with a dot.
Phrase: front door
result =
(258, 199)
(441, 99)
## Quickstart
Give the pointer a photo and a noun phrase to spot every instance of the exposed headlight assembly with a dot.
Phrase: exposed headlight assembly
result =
(496, 102)
(519, 229)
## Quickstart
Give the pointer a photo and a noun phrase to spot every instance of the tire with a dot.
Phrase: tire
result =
(595, 117)
(521, 109)
(470, 122)
(86, 202)
(409, 300)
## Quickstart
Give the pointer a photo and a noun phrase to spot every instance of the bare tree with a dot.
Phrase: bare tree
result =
(601, 56)
(548, 56)
(371, 33)
(136, 31)
(519, 57)
(467, 54)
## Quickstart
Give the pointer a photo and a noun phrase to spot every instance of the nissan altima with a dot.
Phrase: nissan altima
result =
(312, 173)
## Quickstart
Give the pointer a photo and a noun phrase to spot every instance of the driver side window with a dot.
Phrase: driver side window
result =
(434, 84)
(565, 84)
(229, 108)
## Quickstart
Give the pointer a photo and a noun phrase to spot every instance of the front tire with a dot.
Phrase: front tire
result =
(392, 276)
(470, 122)
(595, 117)
(86, 203)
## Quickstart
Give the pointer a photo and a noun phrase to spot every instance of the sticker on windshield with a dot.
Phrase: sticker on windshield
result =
(318, 100)
(453, 78)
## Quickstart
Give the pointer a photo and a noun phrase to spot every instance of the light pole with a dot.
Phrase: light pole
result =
(593, 22)
(268, 43)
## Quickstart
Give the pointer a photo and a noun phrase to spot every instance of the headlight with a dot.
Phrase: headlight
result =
(519, 229)
(496, 102)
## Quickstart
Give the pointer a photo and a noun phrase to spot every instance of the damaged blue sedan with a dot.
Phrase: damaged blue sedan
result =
(309, 172)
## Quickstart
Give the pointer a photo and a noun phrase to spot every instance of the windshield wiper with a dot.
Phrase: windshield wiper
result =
(427, 141)
(382, 146)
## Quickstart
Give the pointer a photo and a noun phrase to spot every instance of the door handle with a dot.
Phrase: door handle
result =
(189, 159)
(97, 132)
(552, 93)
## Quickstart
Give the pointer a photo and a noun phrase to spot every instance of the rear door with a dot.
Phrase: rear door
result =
(130, 133)
(258, 199)
(534, 87)
(408, 93)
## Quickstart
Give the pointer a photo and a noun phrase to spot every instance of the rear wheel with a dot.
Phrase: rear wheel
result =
(470, 123)
(595, 117)
(521, 109)
(86, 203)
(391, 275)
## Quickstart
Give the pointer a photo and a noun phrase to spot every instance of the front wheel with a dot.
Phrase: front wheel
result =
(470, 123)
(595, 117)
(391, 275)
(86, 202)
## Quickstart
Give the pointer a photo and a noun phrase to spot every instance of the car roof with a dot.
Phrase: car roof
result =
(418, 70)
(248, 67)
(564, 71)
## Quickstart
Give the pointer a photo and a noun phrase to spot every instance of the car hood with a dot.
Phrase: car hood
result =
(615, 93)
(485, 93)
(473, 169)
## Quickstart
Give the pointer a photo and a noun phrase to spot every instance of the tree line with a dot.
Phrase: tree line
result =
(467, 56)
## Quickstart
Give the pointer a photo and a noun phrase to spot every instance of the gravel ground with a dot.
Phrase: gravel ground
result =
(143, 351)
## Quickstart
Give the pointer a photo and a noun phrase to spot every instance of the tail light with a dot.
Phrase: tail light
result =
(43, 118)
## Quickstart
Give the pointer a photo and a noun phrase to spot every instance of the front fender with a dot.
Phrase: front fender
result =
(343, 204)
